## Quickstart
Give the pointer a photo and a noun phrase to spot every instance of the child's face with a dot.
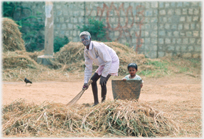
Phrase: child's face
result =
(132, 71)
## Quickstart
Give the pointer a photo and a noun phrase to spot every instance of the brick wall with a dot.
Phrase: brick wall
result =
(155, 29)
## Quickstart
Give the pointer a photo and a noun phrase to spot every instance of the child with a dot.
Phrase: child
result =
(132, 68)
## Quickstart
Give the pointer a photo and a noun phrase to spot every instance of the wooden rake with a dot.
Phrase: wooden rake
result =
(78, 96)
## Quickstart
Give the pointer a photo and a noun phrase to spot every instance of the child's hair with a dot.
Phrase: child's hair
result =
(133, 65)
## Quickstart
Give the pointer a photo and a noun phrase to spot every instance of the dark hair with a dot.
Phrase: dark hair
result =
(133, 65)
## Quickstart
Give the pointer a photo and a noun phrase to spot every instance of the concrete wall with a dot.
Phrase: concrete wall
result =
(155, 29)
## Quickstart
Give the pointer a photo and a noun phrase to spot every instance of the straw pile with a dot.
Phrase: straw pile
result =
(71, 57)
(11, 36)
(20, 64)
(17, 63)
(18, 59)
(113, 118)
(34, 55)
(128, 55)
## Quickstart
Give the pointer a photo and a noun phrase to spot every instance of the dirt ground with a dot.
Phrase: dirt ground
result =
(179, 95)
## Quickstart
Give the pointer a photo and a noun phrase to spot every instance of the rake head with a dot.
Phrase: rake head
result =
(78, 96)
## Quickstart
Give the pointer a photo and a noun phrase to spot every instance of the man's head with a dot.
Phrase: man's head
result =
(85, 38)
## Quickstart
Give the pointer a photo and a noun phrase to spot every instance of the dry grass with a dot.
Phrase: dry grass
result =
(41, 74)
(34, 55)
(187, 113)
(19, 64)
(190, 66)
(11, 36)
(18, 59)
(113, 118)
(70, 57)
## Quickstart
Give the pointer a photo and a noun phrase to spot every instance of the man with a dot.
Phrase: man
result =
(103, 56)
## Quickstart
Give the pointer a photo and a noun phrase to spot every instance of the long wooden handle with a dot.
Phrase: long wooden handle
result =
(78, 96)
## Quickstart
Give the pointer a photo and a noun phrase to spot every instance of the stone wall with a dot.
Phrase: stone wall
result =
(155, 29)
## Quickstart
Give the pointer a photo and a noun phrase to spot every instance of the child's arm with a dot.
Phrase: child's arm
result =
(139, 78)
(142, 83)
(124, 78)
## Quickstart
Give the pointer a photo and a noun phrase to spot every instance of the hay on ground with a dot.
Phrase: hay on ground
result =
(18, 64)
(12, 36)
(113, 118)
(18, 59)
(42, 73)
(70, 57)
(34, 55)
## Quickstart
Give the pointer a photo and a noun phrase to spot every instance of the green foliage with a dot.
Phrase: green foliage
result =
(127, 44)
(160, 68)
(145, 72)
(186, 65)
(194, 61)
(30, 26)
(34, 39)
(183, 69)
(96, 28)
(158, 64)
(9, 8)
(60, 42)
